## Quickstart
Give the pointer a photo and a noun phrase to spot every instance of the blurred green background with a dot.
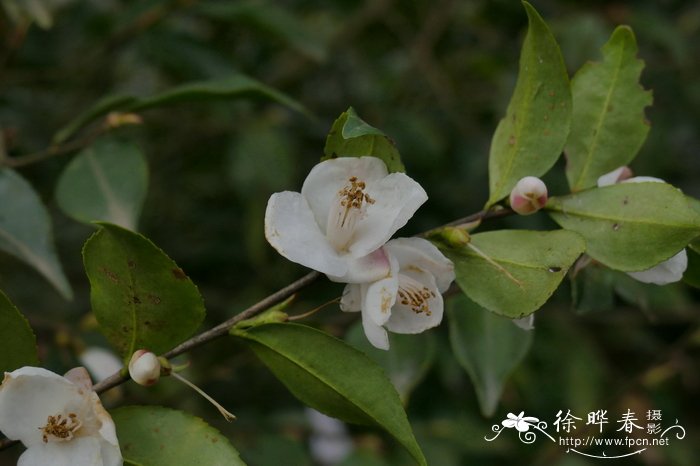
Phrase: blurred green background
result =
(436, 76)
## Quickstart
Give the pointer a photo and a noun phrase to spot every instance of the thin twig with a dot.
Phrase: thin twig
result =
(61, 149)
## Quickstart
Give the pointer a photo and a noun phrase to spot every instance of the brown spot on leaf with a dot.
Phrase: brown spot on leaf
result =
(511, 140)
(179, 273)
(136, 300)
(153, 299)
(551, 93)
(616, 227)
(131, 263)
(111, 275)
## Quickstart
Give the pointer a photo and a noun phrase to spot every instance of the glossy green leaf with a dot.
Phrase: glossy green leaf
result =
(529, 266)
(25, 230)
(141, 298)
(332, 377)
(629, 226)
(157, 436)
(214, 89)
(608, 125)
(408, 361)
(107, 181)
(530, 138)
(350, 136)
(18, 340)
(488, 346)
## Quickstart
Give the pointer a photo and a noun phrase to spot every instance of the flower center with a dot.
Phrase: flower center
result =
(415, 295)
(60, 428)
(346, 212)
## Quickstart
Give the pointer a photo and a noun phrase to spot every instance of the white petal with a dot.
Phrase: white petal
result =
(28, 396)
(612, 177)
(100, 362)
(666, 272)
(421, 253)
(509, 423)
(380, 296)
(375, 333)
(372, 267)
(404, 320)
(396, 198)
(79, 376)
(81, 451)
(522, 426)
(290, 228)
(327, 178)
(351, 301)
(526, 323)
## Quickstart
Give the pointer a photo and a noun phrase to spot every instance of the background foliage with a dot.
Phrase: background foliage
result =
(435, 77)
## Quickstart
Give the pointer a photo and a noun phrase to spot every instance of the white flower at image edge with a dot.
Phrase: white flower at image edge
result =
(347, 209)
(59, 419)
(409, 300)
(668, 271)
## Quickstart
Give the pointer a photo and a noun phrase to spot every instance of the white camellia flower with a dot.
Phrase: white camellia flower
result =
(59, 419)
(347, 209)
(668, 271)
(409, 299)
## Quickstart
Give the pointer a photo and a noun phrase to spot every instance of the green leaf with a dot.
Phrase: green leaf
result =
(141, 298)
(489, 347)
(156, 436)
(25, 230)
(18, 340)
(691, 276)
(529, 266)
(629, 226)
(107, 181)
(530, 138)
(214, 89)
(608, 126)
(101, 107)
(408, 361)
(332, 377)
(350, 136)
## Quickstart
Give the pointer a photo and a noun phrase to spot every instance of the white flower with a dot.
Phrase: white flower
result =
(59, 419)
(525, 323)
(668, 271)
(520, 422)
(528, 196)
(347, 209)
(144, 367)
(409, 299)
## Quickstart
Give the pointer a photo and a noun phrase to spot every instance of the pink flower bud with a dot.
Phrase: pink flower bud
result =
(144, 367)
(528, 196)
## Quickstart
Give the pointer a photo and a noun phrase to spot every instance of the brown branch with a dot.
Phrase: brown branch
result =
(53, 151)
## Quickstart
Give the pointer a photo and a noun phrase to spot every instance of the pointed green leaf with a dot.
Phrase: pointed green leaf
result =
(487, 346)
(214, 89)
(25, 230)
(350, 136)
(530, 138)
(524, 270)
(141, 298)
(107, 181)
(18, 340)
(332, 377)
(629, 226)
(156, 436)
(408, 361)
(608, 125)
